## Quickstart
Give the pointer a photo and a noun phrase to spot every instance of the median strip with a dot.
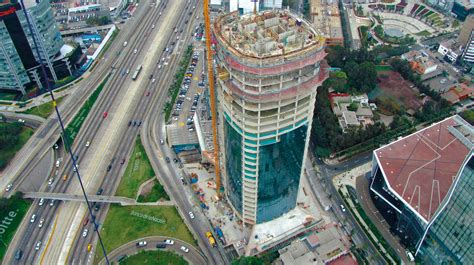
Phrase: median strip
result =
(73, 128)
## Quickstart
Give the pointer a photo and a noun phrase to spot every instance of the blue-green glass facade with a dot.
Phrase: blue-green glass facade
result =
(233, 159)
(450, 240)
(279, 174)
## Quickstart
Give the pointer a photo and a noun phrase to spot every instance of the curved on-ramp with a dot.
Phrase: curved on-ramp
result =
(194, 256)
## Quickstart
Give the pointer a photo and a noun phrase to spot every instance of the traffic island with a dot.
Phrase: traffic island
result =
(43, 110)
(12, 211)
(127, 223)
(138, 172)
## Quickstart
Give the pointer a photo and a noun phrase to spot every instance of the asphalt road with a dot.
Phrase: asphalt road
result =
(163, 75)
(152, 131)
(130, 248)
(346, 219)
(29, 234)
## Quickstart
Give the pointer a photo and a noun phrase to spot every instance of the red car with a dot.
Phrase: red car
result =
(85, 222)
(123, 161)
(147, 93)
(105, 115)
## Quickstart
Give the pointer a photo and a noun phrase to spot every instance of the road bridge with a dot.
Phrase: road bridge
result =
(124, 201)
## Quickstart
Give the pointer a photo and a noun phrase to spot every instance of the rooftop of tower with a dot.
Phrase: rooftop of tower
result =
(266, 34)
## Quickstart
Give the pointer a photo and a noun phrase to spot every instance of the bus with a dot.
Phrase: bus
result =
(137, 72)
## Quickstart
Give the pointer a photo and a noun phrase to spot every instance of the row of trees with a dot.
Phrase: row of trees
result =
(358, 74)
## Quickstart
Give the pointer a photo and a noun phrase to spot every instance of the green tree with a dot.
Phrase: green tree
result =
(248, 261)
(468, 115)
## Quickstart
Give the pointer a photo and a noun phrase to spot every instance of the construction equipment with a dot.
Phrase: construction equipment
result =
(210, 78)
(211, 239)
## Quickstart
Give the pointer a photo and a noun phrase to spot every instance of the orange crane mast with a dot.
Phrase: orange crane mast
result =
(210, 78)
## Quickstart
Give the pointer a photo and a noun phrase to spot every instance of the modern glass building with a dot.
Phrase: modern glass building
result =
(19, 64)
(269, 68)
(423, 186)
(450, 238)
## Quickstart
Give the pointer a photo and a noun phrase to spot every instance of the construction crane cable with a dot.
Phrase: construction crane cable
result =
(66, 144)
(210, 78)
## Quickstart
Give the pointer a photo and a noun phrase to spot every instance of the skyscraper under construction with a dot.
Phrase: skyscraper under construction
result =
(269, 66)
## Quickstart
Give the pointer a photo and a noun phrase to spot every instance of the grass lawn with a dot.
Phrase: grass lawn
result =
(7, 154)
(155, 257)
(383, 68)
(121, 226)
(73, 128)
(138, 171)
(423, 33)
(43, 110)
(12, 211)
(156, 193)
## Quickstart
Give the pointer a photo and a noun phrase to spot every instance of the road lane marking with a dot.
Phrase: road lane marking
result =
(49, 239)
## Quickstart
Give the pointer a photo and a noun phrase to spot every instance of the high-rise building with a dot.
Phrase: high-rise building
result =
(466, 39)
(19, 64)
(269, 66)
(422, 184)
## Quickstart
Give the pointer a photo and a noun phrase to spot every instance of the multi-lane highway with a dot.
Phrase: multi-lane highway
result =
(31, 234)
(155, 89)
(96, 175)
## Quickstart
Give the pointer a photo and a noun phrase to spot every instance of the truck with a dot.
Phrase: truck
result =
(220, 234)
(211, 239)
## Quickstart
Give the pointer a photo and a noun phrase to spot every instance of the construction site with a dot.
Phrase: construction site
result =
(326, 20)
(268, 66)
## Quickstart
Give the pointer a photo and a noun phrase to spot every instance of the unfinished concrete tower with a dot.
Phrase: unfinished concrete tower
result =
(268, 72)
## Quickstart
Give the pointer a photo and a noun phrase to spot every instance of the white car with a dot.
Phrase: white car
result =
(21, 121)
(135, 51)
(84, 233)
(52, 203)
(343, 208)
(74, 168)
(38, 246)
(141, 244)
(50, 181)
(169, 242)
(41, 202)
(9, 187)
(162, 141)
(88, 143)
(41, 223)
(33, 218)
(153, 80)
(185, 249)
(191, 215)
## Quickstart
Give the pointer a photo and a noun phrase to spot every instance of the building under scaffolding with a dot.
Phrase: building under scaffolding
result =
(269, 66)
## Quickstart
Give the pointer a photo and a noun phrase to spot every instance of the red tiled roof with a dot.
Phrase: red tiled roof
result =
(421, 167)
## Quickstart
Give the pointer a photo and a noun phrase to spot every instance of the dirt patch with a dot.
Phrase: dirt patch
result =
(393, 85)
(146, 189)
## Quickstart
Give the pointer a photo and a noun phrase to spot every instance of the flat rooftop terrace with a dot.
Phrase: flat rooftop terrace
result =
(269, 33)
(420, 168)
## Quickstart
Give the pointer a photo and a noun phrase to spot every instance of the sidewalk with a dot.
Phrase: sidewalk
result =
(356, 178)
(43, 98)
